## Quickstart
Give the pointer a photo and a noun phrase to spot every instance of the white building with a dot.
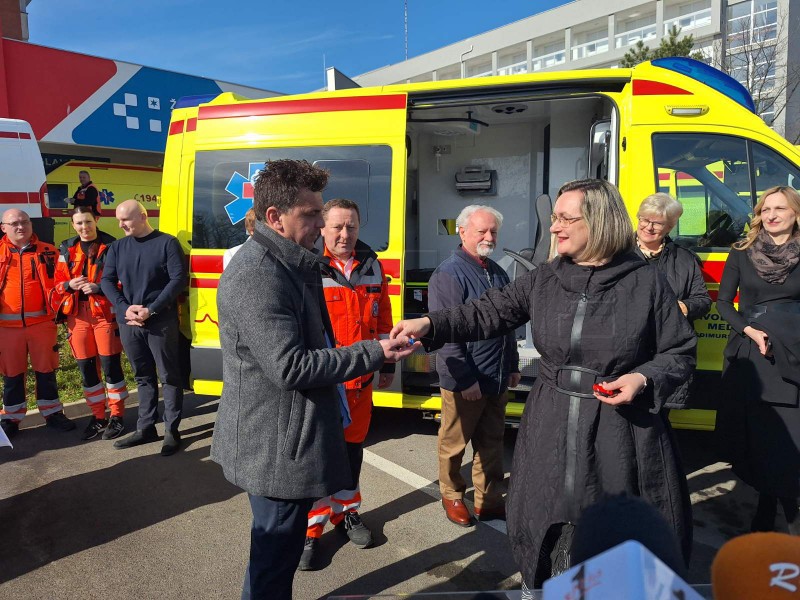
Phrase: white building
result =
(750, 38)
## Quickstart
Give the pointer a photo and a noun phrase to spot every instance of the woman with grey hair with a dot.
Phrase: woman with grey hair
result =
(614, 348)
(658, 214)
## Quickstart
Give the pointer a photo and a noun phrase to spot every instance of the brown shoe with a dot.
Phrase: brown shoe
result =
(457, 512)
(490, 514)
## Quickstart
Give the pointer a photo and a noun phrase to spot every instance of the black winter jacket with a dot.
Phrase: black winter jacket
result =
(454, 282)
(684, 274)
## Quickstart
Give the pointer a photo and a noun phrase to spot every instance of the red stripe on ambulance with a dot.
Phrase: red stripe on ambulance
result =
(205, 264)
(295, 107)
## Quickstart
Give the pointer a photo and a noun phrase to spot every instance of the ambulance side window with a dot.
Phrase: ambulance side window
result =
(709, 175)
(223, 189)
(57, 195)
(772, 169)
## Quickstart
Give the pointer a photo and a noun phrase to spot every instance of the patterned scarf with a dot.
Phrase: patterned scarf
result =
(773, 263)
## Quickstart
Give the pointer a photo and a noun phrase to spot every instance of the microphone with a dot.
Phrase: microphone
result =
(763, 566)
(628, 571)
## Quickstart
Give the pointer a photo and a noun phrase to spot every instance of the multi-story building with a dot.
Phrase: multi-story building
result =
(750, 39)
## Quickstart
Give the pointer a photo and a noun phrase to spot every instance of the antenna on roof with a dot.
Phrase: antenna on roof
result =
(405, 22)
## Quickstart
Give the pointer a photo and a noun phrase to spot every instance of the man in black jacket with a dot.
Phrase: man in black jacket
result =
(151, 267)
(473, 377)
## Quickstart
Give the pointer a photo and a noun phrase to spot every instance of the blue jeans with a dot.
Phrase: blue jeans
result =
(276, 544)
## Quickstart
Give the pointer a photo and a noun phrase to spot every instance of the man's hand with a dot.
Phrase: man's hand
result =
(136, 315)
(415, 328)
(398, 348)
(628, 386)
(472, 393)
(90, 288)
(77, 283)
(385, 380)
(683, 308)
(513, 379)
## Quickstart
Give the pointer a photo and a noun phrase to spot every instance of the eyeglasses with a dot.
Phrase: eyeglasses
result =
(656, 225)
(563, 221)
(16, 224)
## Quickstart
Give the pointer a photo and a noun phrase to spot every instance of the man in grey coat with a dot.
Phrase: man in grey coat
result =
(279, 430)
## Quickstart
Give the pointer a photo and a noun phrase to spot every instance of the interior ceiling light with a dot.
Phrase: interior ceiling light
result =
(509, 109)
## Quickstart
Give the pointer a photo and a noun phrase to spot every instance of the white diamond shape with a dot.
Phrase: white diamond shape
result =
(155, 125)
(153, 103)
(130, 100)
(132, 122)
(119, 110)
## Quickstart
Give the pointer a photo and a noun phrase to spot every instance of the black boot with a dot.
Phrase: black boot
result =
(137, 438)
(172, 441)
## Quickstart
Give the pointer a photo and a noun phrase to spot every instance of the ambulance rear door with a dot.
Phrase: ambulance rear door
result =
(359, 136)
(22, 178)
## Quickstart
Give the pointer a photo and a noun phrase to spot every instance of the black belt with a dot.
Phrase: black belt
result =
(752, 312)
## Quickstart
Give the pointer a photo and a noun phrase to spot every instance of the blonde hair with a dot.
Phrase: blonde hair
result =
(664, 205)
(792, 199)
(610, 228)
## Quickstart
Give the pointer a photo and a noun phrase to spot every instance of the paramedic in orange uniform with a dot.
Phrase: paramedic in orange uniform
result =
(93, 332)
(357, 298)
(27, 267)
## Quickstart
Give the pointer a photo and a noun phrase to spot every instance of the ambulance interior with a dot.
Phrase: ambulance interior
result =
(529, 149)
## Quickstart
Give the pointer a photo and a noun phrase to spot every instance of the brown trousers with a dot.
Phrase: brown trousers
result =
(483, 423)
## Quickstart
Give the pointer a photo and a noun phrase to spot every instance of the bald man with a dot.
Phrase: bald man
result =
(151, 267)
(27, 267)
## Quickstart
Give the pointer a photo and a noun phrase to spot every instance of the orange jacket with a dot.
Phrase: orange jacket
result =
(71, 262)
(26, 281)
(359, 308)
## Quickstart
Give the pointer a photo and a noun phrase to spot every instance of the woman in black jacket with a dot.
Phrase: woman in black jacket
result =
(658, 214)
(601, 315)
(758, 423)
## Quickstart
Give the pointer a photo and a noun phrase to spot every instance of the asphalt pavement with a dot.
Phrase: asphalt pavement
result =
(84, 520)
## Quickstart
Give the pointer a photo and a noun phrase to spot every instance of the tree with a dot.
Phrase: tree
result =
(757, 57)
(669, 46)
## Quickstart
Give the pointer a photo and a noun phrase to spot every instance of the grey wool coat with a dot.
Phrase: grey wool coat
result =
(279, 427)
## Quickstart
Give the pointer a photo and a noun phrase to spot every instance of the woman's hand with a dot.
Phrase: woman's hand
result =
(759, 337)
(411, 328)
(77, 283)
(683, 308)
(627, 388)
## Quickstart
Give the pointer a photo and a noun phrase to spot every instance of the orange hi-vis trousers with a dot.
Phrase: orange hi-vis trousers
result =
(96, 345)
(16, 344)
(333, 508)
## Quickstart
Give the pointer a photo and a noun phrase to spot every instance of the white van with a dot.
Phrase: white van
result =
(22, 179)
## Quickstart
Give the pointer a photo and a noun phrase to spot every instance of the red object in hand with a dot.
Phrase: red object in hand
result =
(599, 389)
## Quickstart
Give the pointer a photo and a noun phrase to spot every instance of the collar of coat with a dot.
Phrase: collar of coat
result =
(579, 278)
(102, 237)
(288, 251)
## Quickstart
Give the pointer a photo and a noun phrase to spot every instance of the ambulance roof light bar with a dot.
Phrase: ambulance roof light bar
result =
(713, 78)
(189, 101)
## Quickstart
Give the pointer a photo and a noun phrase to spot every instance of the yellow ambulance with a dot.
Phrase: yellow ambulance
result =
(414, 155)
(115, 183)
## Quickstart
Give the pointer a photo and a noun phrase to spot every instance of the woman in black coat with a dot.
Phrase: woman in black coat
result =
(600, 314)
(758, 424)
(658, 214)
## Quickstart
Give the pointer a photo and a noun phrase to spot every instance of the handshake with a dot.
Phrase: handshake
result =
(404, 338)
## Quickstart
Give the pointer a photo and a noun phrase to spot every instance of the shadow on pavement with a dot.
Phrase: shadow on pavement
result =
(78, 512)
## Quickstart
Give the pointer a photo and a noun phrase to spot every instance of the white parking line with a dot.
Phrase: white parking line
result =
(417, 482)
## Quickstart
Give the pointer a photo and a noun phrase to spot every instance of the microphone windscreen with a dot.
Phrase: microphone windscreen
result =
(617, 518)
(763, 566)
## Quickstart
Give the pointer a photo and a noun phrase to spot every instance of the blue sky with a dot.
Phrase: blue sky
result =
(272, 44)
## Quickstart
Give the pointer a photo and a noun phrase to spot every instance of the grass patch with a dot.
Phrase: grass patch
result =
(70, 387)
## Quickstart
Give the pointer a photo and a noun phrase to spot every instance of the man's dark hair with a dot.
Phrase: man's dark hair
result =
(84, 173)
(340, 203)
(279, 182)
